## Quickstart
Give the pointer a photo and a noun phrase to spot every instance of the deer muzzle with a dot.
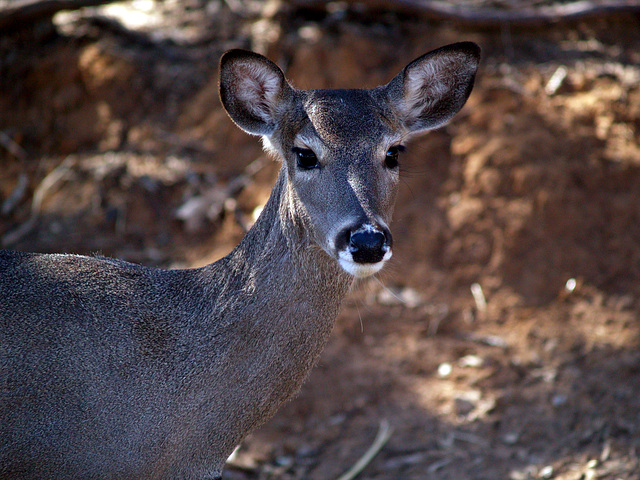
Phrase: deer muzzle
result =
(363, 250)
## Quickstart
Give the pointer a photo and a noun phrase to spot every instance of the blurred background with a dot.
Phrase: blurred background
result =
(503, 340)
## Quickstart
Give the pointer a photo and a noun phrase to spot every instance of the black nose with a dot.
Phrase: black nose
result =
(369, 245)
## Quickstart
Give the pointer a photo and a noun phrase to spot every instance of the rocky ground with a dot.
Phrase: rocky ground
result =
(502, 342)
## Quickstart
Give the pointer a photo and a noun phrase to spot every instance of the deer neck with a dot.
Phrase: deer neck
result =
(277, 280)
(279, 253)
(283, 292)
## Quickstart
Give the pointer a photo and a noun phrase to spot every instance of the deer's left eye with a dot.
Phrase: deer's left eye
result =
(391, 157)
(305, 158)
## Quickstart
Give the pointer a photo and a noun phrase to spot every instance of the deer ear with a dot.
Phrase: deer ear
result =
(253, 91)
(433, 88)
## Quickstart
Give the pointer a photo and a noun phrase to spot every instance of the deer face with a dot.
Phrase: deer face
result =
(341, 147)
(341, 162)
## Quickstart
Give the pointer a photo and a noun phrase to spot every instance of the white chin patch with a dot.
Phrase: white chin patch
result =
(361, 270)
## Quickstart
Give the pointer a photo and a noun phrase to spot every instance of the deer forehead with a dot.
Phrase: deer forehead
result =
(346, 119)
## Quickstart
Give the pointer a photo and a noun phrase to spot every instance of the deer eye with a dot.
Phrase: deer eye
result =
(391, 157)
(305, 158)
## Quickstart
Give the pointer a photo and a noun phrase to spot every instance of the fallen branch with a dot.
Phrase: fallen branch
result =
(11, 146)
(16, 196)
(210, 205)
(48, 182)
(493, 17)
(24, 12)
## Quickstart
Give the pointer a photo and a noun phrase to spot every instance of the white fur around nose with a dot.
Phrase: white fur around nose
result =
(361, 270)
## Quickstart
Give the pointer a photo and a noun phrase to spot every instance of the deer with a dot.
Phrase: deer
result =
(112, 370)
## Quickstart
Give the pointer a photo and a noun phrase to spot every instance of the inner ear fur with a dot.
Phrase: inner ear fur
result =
(253, 90)
(433, 88)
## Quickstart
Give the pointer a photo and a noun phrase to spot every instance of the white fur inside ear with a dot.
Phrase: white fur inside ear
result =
(424, 85)
(430, 81)
(257, 90)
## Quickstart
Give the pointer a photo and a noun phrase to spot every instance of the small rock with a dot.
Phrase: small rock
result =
(571, 285)
(284, 461)
(511, 438)
(472, 361)
(444, 369)
(406, 296)
(546, 472)
(558, 400)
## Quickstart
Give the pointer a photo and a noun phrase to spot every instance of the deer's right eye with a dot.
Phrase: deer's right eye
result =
(391, 157)
(306, 159)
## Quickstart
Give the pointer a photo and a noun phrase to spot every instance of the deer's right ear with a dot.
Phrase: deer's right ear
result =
(253, 91)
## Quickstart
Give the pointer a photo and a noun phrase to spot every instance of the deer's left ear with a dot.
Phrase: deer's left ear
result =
(433, 88)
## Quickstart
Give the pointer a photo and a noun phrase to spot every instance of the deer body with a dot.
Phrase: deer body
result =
(110, 370)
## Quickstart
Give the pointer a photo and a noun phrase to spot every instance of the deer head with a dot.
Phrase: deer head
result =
(340, 148)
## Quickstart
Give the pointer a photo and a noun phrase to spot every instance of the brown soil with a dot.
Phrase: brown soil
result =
(530, 198)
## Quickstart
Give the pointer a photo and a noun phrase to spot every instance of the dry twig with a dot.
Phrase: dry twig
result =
(212, 203)
(16, 196)
(11, 146)
(48, 182)
(383, 435)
